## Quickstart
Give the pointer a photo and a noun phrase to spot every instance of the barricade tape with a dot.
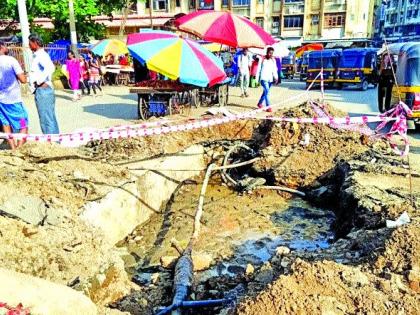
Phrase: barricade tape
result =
(168, 126)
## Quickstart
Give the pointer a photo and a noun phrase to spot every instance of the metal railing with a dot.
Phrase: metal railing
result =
(58, 53)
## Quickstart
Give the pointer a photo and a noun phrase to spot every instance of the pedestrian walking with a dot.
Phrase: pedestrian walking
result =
(13, 115)
(244, 64)
(254, 71)
(267, 75)
(73, 69)
(40, 83)
(94, 73)
(84, 75)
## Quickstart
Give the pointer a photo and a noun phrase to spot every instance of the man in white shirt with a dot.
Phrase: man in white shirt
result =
(244, 64)
(40, 80)
(267, 74)
(13, 115)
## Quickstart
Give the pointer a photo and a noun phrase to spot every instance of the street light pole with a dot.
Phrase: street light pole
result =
(24, 28)
(73, 34)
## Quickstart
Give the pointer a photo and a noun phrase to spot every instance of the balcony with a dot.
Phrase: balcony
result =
(294, 9)
(335, 6)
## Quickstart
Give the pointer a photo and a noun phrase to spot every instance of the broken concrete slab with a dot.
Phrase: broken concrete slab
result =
(29, 209)
(42, 296)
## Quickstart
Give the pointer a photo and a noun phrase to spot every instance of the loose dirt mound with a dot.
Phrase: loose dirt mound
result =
(297, 165)
(146, 147)
(331, 288)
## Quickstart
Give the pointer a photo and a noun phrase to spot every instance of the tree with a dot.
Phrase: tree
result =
(58, 11)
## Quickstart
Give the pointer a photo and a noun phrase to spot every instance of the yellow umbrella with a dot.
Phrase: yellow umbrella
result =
(110, 46)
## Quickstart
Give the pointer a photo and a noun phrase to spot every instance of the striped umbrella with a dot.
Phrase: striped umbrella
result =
(110, 46)
(224, 28)
(308, 47)
(176, 57)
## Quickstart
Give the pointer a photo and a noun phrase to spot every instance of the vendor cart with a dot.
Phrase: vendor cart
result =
(155, 101)
(215, 95)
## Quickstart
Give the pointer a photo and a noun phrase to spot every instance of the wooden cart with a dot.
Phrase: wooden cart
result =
(215, 95)
(161, 102)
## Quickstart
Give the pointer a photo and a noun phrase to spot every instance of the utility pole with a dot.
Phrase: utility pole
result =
(73, 34)
(24, 28)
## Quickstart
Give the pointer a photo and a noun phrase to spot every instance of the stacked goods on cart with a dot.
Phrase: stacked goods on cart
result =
(162, 85)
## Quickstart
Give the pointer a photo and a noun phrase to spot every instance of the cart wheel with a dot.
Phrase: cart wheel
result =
(222, 95)
(143, 108)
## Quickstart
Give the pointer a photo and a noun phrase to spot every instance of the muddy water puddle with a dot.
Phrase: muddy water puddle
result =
(236, 229)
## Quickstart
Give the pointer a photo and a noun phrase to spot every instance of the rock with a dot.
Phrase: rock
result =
(285, 262)
(29, 209)
(80, 176)
(201, 261)
(282, 251)
(155, 278)
(354, 278)
(249, 269)
(43, 297)
(414, 280)
(168, 261)
(265, 274)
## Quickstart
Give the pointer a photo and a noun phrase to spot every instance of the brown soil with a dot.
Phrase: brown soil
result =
(296, 165)
(331, 288)
(371, 269)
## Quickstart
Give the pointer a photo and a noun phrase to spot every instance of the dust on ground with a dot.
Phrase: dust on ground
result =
(370, 268)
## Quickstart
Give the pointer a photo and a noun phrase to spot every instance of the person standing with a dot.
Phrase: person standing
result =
(254, 71)
(267, 75)
(40, 82)
(13, 115)
(244, 63)
(84, 75)
(73, 68)
(94, 73)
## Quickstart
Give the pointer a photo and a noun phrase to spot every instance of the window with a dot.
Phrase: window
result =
(241, 3)
(206, 5)
(293, 21)
(260, 22)
(261, 1)
(225, 3)
(292, 1)
(315, 19)
(275, 26)
(335, 19)
(178, 3)
(192, 4)
(159, 5)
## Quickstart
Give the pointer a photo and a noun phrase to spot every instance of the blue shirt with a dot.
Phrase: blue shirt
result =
(9, 84)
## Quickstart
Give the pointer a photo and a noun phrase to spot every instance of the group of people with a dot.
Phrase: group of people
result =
(85, 73)
(13, 114)
(263, 70)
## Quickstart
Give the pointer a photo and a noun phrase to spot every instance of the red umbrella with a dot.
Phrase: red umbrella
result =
(225, 28)
(308, 47)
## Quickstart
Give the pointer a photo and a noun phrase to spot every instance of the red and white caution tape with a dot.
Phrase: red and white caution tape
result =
(397, 114)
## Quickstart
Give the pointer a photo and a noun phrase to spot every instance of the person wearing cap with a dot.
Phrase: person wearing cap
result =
(13, 115)
(40, 79)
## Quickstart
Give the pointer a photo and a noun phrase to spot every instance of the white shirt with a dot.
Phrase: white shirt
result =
(9, 84)
(244, 63)
(42, 69)
(267, 70)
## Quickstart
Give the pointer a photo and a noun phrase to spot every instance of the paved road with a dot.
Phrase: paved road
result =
(118, 107)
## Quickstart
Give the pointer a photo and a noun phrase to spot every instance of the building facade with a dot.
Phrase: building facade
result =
(401, 21)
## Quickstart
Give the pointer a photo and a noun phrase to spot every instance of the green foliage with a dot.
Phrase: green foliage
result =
(58, 11)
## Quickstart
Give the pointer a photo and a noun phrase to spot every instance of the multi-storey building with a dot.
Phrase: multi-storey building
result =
(401, 20)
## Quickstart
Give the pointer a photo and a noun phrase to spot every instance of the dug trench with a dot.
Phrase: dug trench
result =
(110, 211)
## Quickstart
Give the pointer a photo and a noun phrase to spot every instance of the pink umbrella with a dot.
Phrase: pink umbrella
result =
(225, 28)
